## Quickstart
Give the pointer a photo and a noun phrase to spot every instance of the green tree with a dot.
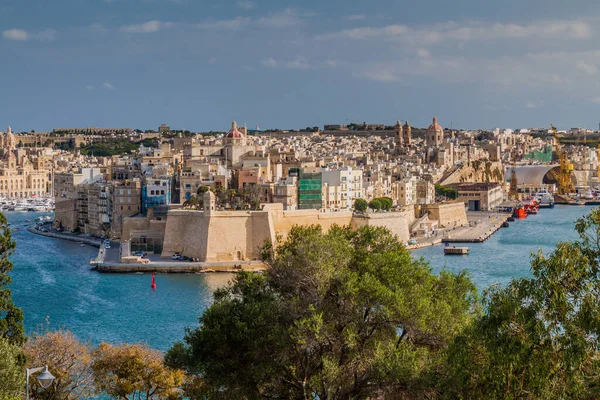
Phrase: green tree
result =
(386, 203)
(375, 204)
(12, 370)
(11, 317)
(338, 315)
(538, 338)
(361, 205)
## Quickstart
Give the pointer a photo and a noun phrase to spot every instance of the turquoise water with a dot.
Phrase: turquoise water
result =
(507, 254)
(52, 281)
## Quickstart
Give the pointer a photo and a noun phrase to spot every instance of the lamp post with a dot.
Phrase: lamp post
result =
(45, 378)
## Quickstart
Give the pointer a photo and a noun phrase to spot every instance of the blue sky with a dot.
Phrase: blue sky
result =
(198, 64)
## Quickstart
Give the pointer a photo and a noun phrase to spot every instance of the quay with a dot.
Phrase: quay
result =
(482, 225)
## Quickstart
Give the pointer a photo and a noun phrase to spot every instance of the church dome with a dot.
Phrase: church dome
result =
(435, 127)
(234, 133)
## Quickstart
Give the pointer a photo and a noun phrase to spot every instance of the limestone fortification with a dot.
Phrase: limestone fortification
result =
(211, 235)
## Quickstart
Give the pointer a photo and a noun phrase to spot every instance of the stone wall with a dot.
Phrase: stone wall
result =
(214, 236)
(449, 215)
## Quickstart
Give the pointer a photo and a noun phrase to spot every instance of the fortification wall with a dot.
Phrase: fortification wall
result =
(397, 222)
(449, 215)
(238, 235)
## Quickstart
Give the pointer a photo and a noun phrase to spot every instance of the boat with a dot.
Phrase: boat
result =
(520, 212)
(545, 199)
(505, 224)
(453, 251)
(510, 219)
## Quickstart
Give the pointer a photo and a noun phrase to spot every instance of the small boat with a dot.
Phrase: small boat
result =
(27, 220)
(452, 251)
(505, 224)
(82, 245)
(510, 219)
(520, 212)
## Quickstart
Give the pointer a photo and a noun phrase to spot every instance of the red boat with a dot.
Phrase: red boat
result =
(531, 206)
(520, 212)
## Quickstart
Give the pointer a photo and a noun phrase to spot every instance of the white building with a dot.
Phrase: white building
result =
(341, 187)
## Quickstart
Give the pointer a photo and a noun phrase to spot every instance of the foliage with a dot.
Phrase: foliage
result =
(375, 204)
(251, 195)
(445, 191)
(12, 377)
(360, 205)
(131, 371)
(109, 148)
(381, 203)
(338, 315)
(538, 337)
(11, 317)
(68, 359)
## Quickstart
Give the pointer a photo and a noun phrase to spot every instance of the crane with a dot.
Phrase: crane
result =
(565, 174)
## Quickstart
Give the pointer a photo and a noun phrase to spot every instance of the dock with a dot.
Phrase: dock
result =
(482, 225)
(459, 251)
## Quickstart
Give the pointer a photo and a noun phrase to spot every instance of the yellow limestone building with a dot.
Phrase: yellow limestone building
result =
(18, 177)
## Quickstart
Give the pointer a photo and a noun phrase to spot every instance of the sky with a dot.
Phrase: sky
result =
(199, 64)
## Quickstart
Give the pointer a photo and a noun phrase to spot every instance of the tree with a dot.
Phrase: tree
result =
(68, 359)
(12, 377)
(131, 371)
(251, 195)
(538, 336)
(375, 204)
(360, 205)
(386, 203)
(11, 317)
(338, 315)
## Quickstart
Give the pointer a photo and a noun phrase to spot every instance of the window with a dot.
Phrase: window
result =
(162, 192)
(152, 192)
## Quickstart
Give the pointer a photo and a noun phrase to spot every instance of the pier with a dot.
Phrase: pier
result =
(482, 225)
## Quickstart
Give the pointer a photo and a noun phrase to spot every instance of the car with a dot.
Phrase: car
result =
(107, 245)
(176, 256)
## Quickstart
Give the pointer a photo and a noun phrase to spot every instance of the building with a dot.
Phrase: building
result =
(485, 196)
(286, 192)
(20, 174)
(310, 189)
(126, 202)
(341, 187)
(435, 134)
(425, 192)
(156, 194)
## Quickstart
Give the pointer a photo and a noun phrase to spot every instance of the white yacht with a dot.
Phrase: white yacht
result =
(545, 198)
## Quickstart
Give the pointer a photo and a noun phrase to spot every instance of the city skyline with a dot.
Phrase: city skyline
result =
(288, 65)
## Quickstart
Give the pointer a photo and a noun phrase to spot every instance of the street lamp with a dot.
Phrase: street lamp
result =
(45, 378)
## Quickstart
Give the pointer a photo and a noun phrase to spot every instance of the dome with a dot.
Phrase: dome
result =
(435, 126)
(234, 133)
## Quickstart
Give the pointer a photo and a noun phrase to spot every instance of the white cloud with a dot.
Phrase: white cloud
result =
(108, 85)
(595, 100)
(98, 28)
(288, 17)
(532, 105)
(15, 34)
(366, 32)
(473, 31)
(89, 87)
(22, 35)
(226, 24)
(146, 27)
(298, 63)
(246, 4)
(586, 67)
(355, 17)
(270, 62)
(424, 53)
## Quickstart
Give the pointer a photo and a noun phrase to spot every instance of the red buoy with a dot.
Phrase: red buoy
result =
(153, 286)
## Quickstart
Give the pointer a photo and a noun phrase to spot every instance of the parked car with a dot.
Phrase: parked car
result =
(177, 257)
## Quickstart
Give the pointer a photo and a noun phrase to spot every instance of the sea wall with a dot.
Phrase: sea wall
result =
(215, 236)
(449, 215)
